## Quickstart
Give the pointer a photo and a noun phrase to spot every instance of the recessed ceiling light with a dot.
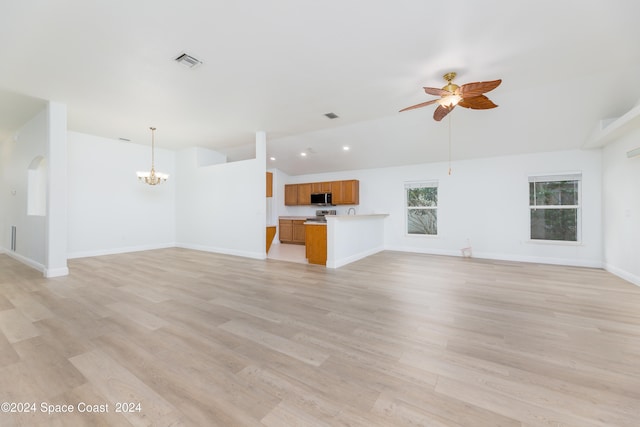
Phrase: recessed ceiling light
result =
(332, 115)
(303, 154)
(345, 148)
(272, 158)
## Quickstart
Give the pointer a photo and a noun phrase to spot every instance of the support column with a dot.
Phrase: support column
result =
(56, 225)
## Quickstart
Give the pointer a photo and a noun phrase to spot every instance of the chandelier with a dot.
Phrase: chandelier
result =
(152, 177)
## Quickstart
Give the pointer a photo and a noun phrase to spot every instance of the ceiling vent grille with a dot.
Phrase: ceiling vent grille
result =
(188, 60)
(332, 115)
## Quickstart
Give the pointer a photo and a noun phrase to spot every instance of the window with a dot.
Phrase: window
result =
(422, 207)
(554, 205)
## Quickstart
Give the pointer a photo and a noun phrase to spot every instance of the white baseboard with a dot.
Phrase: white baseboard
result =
(123, 250)
(623, 274)
(114, 251)
(348, 260)
(503, 257)
(224, 251)
(540, 260)
(26, 261)
(428, 251)
(56, 272)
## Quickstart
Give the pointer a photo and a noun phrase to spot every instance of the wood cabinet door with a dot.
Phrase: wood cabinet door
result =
(346, 192)
(351, 192)
(304, 194)
(286, 231)
(298, 231)
(269, 184)
(291, 194)
(336, 193)
(316, 244)
(321, 187)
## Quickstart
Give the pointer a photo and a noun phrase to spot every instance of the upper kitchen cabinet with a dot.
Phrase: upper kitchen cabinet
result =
(269, 184)
(321, 187)
(345, 192)
(291, 194)
(304, 194)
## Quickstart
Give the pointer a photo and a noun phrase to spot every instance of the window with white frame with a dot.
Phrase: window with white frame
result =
(421, 201)
(554, 205)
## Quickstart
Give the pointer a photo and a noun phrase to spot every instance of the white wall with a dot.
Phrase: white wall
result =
(483, 200)
(621, 206)
(15, 158)
(109, 210)
(221, 208)
(57, 191)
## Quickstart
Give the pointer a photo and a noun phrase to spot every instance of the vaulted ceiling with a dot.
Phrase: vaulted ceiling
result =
(280, 65)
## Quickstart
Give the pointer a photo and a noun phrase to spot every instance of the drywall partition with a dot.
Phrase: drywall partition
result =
(353, 237)
(37, 187)
(484, 201)
(110, 211)
(56, 218)
(221, 208)
(621, 206)
(18, 153)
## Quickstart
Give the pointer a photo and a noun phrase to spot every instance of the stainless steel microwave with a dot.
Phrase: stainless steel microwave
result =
(323, 199)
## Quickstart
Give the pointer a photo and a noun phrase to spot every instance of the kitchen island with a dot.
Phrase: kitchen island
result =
(338, 241)
(353, 237)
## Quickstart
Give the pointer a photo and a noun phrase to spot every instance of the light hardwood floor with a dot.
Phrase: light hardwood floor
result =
(396, 339)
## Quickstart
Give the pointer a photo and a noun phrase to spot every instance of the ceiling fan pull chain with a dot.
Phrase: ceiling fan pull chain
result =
(449, 144)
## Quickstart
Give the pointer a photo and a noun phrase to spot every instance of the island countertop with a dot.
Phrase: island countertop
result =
(358, 216)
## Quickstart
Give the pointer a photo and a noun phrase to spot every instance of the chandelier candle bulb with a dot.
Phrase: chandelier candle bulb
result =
(152, 177)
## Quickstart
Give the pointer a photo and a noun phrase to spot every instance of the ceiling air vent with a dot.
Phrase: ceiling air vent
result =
(188, 60)
(332, 115)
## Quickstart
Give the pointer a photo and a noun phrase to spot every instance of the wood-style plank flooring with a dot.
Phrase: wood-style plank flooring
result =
(396, 339)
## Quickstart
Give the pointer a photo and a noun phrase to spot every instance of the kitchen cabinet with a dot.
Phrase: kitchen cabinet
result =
(304, 194)
(321, 187)
(271, 232)
(316, 243)
(286, 230)
(269, 184)
(345, 192)
(292, 231)
(291, 194)
(298, 231)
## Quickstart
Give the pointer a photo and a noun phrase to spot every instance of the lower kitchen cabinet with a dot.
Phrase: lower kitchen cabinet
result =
(298, 231)
(316, 244)
(292, 231)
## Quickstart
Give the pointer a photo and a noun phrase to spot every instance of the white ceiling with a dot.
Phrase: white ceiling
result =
(280, 65)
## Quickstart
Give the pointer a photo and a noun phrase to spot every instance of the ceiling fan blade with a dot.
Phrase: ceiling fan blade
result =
(441, 112)
(436, 91)
(478, 88)
(422, 104)
(480, 102)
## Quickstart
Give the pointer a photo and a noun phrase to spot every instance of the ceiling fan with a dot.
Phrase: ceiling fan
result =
(469, 95)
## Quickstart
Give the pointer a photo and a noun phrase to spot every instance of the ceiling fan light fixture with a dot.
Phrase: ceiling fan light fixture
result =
(469, 95)
(449, 100)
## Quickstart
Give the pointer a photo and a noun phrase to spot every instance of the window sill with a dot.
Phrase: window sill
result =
(553, 242)
(428, 236)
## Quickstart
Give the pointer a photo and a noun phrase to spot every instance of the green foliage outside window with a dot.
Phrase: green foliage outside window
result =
(422, 213)
(554, 210)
